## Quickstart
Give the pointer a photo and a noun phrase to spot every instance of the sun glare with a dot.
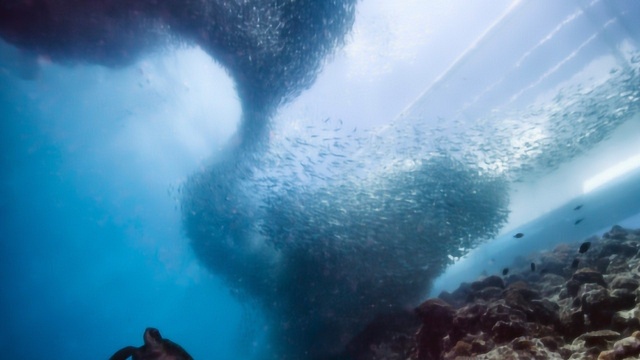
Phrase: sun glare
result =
(611, 173)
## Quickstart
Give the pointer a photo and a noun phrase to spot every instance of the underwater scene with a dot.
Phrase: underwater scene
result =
(319, 179)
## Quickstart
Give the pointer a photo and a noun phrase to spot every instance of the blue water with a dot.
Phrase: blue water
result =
(613, 203)
(92, 251)
(244, 222)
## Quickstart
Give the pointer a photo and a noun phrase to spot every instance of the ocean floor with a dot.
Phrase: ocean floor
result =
(573, 302)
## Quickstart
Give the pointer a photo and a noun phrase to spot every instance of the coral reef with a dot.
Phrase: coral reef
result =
(567, 309)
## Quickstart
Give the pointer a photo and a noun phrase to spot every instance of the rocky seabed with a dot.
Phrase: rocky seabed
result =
(569, 305)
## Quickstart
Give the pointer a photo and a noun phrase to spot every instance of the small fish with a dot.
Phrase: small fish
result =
(578, 207)
(574, 264)
(584, 247)
(505, 271)
(533, 267)
(518, 235)
(578, 221)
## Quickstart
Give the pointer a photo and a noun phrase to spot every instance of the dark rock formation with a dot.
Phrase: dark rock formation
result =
(490, 281)
(437, 320)
(588, 276)
(579, 314)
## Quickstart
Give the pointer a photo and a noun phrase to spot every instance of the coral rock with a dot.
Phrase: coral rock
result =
(589, 276)
(505, 331)
(617, 232)
(558, 314)
(436, 313)
(596, 305)
(625, 321)
(500, 312)
(521, 348)
(607, 355)
(437, 318)
(625, 250)
(467, 319)
(623, 299)
(490, 281)
(629, 346)
(545, 311)
(625, 282)
(598, 338)
(461, 349)
(487, 294)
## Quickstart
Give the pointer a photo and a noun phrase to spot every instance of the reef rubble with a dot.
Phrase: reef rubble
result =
(587, 308)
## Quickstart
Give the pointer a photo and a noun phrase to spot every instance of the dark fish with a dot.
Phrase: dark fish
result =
(518, 235)
(578, 221)
(578, 207)
(584, 247)
(533, 266)
(574, 264)
(505, 271)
